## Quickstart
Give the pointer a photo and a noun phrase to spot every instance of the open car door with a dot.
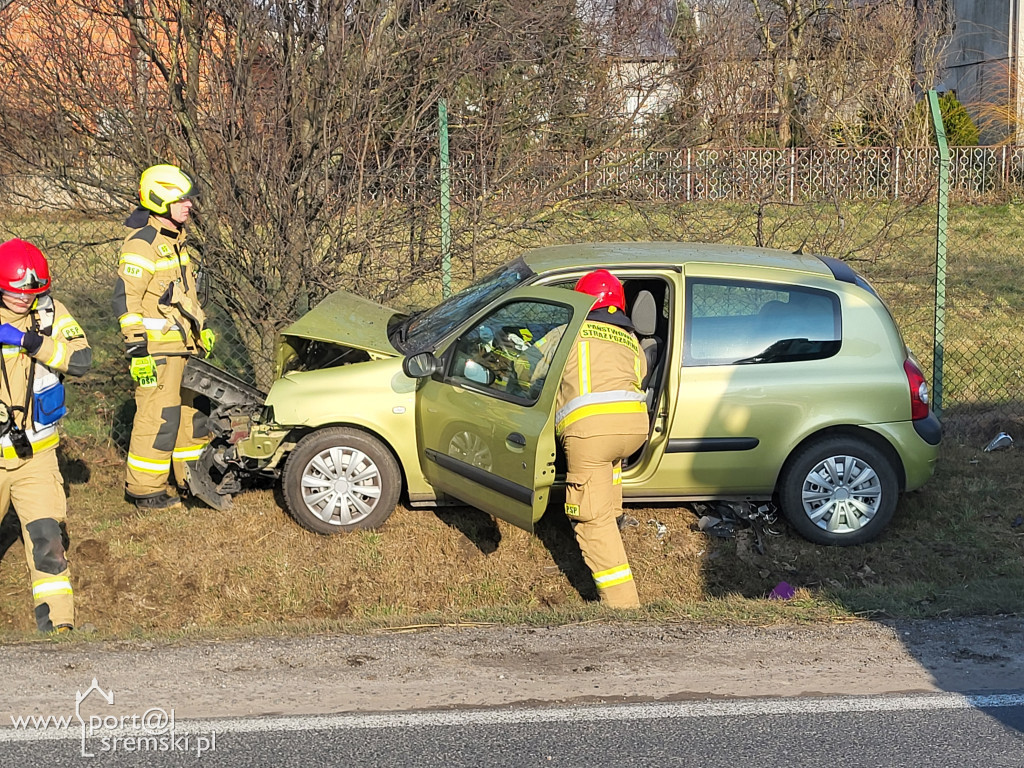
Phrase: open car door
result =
(486, 420)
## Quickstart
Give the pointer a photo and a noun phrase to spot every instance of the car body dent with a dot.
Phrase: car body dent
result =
(349, 320)
(373, 395)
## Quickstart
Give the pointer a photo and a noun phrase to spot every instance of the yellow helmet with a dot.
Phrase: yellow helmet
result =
(161, 185)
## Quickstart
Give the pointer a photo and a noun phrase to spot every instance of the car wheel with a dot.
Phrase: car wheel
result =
(839, 490)
(340, 479)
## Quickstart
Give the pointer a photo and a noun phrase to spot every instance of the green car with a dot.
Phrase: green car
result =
(774, 376)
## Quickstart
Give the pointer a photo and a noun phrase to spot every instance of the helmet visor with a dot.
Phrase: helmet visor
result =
(30, 282)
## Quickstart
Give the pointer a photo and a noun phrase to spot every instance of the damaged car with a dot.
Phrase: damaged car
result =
(774, 377)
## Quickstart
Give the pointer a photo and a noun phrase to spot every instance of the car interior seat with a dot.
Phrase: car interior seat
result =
(773, 310)
(644, 315)
(776, 320)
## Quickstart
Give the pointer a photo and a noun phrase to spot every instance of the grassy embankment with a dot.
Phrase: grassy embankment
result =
(952, 549)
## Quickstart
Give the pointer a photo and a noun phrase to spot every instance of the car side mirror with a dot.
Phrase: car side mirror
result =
(421, 365)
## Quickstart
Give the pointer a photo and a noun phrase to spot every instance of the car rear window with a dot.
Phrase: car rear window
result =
(733, 322)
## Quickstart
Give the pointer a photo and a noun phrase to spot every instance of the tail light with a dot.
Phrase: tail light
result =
(918, 390)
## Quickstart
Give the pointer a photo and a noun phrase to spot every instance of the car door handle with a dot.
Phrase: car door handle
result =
(516, 439)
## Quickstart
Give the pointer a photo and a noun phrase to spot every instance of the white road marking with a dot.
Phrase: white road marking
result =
(458, 718)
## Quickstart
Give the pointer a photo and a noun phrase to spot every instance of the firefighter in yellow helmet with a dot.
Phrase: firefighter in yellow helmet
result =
(162, 325)
(601, 418)
(41, 342)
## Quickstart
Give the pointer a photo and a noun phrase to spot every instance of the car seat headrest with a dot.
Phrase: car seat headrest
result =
(644, 314)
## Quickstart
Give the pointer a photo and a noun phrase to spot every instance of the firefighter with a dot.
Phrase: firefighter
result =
(162, 325)
(601, 418)
(41, 341)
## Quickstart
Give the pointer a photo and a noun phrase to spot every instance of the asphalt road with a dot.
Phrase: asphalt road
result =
(927, 693)
(941, 730)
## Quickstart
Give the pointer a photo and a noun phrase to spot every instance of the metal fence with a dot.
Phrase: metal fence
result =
(977, 174)
(873, 207)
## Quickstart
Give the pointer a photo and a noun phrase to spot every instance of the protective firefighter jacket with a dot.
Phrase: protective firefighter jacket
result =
(600, 390)
(155, 297)
(54, 344)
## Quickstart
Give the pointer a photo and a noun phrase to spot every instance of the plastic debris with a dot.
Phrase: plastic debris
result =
(724, 519)
(660, 526)
(627, 521)
(782, 591)
(716, 526)
(1018, 522)
(999, 442)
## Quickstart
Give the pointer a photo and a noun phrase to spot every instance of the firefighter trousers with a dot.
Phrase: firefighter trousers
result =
(167, 432)
(36, 490)
(593, 501)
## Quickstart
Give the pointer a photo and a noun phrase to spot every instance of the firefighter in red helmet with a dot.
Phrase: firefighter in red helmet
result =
(162, 325)
(40, 341)
(601, 418)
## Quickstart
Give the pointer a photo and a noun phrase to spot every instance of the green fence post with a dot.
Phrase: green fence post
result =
(446, 206)
(941, 227)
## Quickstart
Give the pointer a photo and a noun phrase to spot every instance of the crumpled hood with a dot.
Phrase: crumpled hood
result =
(347, 319)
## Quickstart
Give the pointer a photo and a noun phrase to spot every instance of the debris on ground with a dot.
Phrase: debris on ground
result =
(782, 591)
(716, 526)
(661, 528)
(1018, 522)
(625, 521)
(999, 442)
(865, 572)
(722, 518)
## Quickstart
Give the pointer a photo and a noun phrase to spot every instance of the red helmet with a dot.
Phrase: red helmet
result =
(605, 286)
(23, 268)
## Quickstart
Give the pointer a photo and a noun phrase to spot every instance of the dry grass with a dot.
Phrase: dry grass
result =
(953, 550)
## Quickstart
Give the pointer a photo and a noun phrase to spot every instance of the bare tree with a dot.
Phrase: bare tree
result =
(312, 126)
(812, 72)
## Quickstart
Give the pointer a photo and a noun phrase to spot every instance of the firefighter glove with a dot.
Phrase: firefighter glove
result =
(11, 336)
(143, 370)
(207, 338)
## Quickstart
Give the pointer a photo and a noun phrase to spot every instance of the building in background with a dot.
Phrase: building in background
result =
(982, 64)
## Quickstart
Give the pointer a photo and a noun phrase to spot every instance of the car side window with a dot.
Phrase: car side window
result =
(731, 322)
(509, 351)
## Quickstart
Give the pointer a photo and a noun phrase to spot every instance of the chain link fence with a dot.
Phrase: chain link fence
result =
(874, 208)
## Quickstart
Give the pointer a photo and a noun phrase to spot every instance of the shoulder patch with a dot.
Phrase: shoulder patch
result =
(146, 234)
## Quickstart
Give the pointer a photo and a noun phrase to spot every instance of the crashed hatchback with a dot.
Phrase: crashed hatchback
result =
(774, 377)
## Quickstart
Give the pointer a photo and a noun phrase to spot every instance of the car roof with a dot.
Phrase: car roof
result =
(555, 258)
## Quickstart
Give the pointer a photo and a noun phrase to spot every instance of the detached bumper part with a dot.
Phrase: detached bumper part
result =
(232, 404)
(202, 484)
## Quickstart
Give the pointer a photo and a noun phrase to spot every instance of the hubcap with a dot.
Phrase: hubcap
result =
(341, 485)
(841, 494)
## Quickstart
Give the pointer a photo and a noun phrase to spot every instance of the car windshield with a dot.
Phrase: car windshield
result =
(423, 330)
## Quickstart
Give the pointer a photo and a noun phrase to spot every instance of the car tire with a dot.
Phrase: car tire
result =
(840, 491)
(341, 479)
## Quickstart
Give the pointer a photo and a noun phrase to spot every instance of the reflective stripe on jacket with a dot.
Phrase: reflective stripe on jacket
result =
(600, 389)
(64, 349)
(155, 297)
